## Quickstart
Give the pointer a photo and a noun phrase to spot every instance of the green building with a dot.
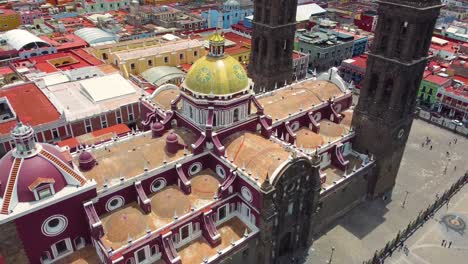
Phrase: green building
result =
(429, 87)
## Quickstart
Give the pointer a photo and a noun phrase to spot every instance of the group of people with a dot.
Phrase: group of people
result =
(445, 244)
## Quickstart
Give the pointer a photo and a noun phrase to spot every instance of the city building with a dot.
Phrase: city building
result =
(366, 21)
(102, 6)
(9, 19)
(457, 31)
(27, 17)
(225, 198)
(219, 169)
(229, 14)
(429, 89)
(354, 70)
(23, 44)
(136, 56)
(326, 49)
(452, 101)
(27, 103)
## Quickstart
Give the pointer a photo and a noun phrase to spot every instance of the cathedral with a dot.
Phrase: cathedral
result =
(222, 169)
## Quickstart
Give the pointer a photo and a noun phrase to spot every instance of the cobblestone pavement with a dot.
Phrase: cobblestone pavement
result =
(448, 224)
(369, 226)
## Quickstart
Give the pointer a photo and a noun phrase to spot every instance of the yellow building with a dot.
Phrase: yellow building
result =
(137, 56)
(9, 19)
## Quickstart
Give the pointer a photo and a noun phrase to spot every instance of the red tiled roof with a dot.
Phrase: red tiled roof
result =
(436, 79)
(457, 91)
(186, 67)
(42, 63)
(242, 43)
(70, 142)
(30, 105)
(8, 12)
(119, 129)
(5, 70)
(72, 41)
(360, 61)
(39, 181)
(450, 46)
(461, 79)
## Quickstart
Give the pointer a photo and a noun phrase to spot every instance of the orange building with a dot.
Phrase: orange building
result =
(9, 19)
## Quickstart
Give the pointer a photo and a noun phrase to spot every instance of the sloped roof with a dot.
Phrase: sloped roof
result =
(19, 38)
(95, 35)
(161, 74)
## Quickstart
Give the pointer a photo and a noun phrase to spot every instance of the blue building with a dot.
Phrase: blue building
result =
(359, 46)
(231, 13)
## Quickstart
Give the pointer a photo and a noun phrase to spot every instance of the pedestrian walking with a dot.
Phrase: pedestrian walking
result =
(443, 242)
(450, 143)
(455, 168)
(456, 140)
(450, 244)
(430, 148)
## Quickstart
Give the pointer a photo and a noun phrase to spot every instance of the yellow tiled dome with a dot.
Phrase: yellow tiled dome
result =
(216, 75)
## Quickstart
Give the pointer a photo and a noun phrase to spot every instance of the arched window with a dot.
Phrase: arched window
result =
(236, 115)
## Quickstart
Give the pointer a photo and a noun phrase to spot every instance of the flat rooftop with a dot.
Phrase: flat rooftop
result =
(164, 98)
(258, 154)
(197, 250)
(301, 95)
(164, 204)
(127, 158)
(81, 99)
(162, 48)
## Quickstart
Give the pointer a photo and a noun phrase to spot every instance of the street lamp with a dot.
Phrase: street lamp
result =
(331, 255)
(404, 201)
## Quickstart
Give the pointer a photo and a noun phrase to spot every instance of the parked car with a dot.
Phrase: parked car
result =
(435, 114)
(457, 122)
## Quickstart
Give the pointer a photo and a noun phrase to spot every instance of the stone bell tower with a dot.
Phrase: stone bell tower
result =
(384, 113)
(274, 26)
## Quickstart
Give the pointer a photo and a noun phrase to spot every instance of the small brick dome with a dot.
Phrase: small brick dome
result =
(172, 143)
(86, 160)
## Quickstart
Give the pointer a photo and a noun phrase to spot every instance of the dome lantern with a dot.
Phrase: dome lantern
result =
(216, 45)
(23, 136)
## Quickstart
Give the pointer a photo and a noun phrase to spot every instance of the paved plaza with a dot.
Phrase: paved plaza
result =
(369, 226)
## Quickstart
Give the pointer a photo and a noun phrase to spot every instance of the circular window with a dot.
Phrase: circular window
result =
(401, 133)
(246, 194)
(337, 108)
(220, 171)
(295, 126)
(114, 203)
(54, 225)
(317, 116)
(158, 184)
(195, 168)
